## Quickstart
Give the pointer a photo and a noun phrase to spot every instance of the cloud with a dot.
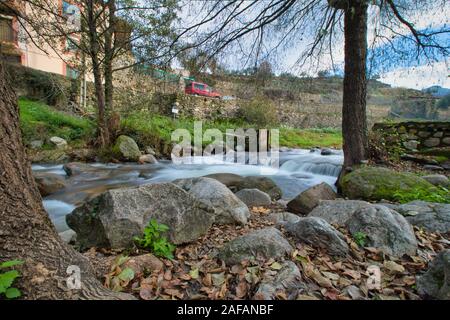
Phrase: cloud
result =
(420, 77)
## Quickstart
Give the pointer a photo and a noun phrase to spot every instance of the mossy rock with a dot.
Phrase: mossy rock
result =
(374, 183)
(126, 149)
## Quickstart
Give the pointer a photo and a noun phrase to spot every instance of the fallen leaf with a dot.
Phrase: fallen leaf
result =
(194, 273)
(276, 266)
(393, 267)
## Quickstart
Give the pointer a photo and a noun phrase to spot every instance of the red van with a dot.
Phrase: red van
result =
(201, 89)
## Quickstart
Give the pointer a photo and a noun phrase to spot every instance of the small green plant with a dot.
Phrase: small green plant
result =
(436, 194)
(154, 241)
(7, 279)
(360, 238)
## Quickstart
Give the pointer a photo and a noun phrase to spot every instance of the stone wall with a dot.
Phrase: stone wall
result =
(201, 108)
(418, 135)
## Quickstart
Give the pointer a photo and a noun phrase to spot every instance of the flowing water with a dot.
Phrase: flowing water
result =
(299, 170)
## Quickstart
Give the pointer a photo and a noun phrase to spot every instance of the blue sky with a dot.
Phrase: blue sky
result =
(402, 71)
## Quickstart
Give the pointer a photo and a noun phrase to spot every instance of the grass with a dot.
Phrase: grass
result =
(435, 194)
(38, 121)
(308, 138)
(156, 130)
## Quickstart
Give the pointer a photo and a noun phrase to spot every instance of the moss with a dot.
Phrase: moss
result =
(374, 183)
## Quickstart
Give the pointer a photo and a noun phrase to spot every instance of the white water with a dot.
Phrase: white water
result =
(299, 170)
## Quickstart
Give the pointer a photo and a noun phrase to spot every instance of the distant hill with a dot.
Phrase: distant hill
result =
(437, 91)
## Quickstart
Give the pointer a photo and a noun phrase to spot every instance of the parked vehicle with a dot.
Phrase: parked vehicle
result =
(201, 89)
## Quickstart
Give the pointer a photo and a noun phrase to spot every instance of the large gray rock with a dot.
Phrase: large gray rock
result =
(254, 197)
(319, 233)
(49, 183)
(437, 180)
(337, 211)
(264, 243)
(376, 183)
(385, 229)
(435, 283)
(113, 218)
(307, 200)
(264, 184)
(287, 280)
(433, 217)
(126, 149)
(228, 208)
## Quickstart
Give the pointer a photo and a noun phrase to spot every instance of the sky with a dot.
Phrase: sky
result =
(416, 75)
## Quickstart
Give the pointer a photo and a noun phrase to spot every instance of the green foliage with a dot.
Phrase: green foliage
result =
(154, 241)
(259, 111)
(308, 138)
(360, 238)
(7, 279)
(436, 194)
(39, 121)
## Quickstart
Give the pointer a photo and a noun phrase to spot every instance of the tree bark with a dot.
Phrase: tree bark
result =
(109, 52)
(26, 232)
(103, 132)
(354, 121)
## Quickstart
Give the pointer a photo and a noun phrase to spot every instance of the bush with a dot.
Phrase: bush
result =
(259, 111)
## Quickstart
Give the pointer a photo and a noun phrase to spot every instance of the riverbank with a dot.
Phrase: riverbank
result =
(39, 122)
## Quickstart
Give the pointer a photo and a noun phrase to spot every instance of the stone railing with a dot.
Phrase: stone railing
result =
(420, 134)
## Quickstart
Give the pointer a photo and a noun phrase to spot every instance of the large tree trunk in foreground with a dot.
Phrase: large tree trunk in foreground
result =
(26, 232)
(354, 121)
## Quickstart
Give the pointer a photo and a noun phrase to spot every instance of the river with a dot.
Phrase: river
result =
(299, 169)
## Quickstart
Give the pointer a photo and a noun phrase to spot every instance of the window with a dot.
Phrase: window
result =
(7, 32)
(71, 73)
(199, 86)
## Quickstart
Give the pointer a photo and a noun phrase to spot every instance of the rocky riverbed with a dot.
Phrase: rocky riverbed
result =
(288, 235)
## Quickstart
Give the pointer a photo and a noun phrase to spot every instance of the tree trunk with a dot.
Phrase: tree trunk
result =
(354, 121)
(108, 66)
(26, 232)
(94, 46)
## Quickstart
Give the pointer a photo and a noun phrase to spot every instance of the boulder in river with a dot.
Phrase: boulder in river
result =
(147, 158)
(231, 180)
(433, 217)
(254, 197)
(264, 184)
(376, 183)
(435, 283)
(264, 243)
(307, 200)
(227, 206)
(126, 149)
(384, 229)
(49, 183)
(319, 233)
(113, 218)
